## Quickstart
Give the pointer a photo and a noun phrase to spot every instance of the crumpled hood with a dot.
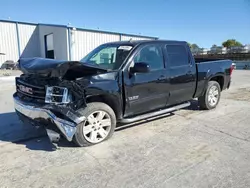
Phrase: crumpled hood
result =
(58, 68)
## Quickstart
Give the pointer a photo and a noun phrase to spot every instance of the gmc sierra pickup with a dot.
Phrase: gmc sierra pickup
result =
(116, 83)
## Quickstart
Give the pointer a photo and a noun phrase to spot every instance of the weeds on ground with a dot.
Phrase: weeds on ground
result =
(5, 72)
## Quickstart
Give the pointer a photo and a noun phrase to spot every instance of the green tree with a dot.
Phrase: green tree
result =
(194, 46)
(230, 43)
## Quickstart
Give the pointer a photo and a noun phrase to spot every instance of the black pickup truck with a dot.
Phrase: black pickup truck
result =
(116, 83)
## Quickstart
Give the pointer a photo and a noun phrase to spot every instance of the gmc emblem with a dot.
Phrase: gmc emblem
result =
(25, 89)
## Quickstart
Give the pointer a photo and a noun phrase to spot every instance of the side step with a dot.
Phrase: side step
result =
(156, 113)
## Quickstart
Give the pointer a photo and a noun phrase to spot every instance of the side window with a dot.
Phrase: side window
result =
(177, 55)
(152, 55)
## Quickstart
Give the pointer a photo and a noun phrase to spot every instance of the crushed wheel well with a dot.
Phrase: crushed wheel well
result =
(106, 100)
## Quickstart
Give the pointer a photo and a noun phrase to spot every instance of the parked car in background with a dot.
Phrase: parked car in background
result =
(9, 64)
(118, 82)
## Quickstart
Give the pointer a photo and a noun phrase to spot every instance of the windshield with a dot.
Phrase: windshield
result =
(108, 56)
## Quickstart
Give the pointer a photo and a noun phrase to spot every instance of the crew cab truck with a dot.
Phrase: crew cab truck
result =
(116, 83)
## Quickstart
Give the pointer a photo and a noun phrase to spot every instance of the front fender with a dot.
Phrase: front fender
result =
(109, 93)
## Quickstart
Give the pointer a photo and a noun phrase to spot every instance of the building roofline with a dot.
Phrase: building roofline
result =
(11, 21)
(114, 33)
(53, 25)
(80, 29)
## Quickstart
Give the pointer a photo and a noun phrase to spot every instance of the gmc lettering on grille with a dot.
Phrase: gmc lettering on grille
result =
(25, 89)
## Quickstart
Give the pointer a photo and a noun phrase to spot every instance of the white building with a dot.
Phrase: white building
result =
(218, 50)
(203, 51)
(246, 48)
(21, 39)
(239, 49)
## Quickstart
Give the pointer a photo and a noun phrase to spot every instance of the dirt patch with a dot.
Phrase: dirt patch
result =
(9, 72)
(241, 94)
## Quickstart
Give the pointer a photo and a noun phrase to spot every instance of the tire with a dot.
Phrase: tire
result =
(205, 101)
(92, 112)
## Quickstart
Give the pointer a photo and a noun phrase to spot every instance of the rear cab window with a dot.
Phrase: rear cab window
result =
(177, 55)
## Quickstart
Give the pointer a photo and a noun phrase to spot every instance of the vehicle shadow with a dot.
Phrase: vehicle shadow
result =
(121, 127)
(43, 143)
(12, 130)
(194, 105)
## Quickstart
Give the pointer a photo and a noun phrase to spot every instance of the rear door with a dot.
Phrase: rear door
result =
(181, 73)
(146, 91)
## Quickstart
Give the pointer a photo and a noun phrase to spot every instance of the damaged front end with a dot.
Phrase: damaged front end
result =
(48, 117)
(50, 94)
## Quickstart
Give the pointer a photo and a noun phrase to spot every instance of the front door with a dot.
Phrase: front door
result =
(146, 91)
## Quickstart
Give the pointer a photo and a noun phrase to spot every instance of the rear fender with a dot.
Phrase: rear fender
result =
(209, 77)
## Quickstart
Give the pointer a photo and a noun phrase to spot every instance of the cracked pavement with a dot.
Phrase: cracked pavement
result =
(189, 148)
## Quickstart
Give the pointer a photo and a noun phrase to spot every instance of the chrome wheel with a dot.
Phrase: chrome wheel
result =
(97, 126)
(213, 96)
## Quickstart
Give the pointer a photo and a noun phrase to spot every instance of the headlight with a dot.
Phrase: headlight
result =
(55, 94)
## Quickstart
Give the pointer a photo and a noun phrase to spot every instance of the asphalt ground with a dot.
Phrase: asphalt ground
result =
(188, 148)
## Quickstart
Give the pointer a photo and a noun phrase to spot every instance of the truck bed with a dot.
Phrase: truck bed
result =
(203, 60)
(208, 68)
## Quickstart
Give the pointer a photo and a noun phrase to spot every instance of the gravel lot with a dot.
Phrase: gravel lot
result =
(9, 72)
(189, 148)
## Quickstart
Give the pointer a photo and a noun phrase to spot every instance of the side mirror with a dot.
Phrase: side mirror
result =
(140, 67)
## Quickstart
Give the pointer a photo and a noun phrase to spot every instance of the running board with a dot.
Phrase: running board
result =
(156, 113)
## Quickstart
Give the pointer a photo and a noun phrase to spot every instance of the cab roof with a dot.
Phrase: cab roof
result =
(138, 42)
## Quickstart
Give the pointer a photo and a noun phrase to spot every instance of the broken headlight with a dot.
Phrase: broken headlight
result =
(55, 94)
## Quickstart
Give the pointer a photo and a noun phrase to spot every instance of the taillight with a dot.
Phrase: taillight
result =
(231, 70)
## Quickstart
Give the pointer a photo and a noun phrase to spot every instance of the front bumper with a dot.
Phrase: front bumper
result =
(45, 116)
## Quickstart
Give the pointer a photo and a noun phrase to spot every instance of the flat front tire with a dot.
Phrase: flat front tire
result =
(99, 125)
(211, 97)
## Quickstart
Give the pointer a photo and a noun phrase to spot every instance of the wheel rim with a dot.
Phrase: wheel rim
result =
(213, 96)
(97, 126)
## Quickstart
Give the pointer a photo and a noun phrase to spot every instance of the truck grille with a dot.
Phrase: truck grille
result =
(29, 90)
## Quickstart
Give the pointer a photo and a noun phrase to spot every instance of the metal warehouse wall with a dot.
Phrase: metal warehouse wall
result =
(127, 37)
(8, 42)
(20, 39)
(82, 42)
(29, 40)
(60, 40)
